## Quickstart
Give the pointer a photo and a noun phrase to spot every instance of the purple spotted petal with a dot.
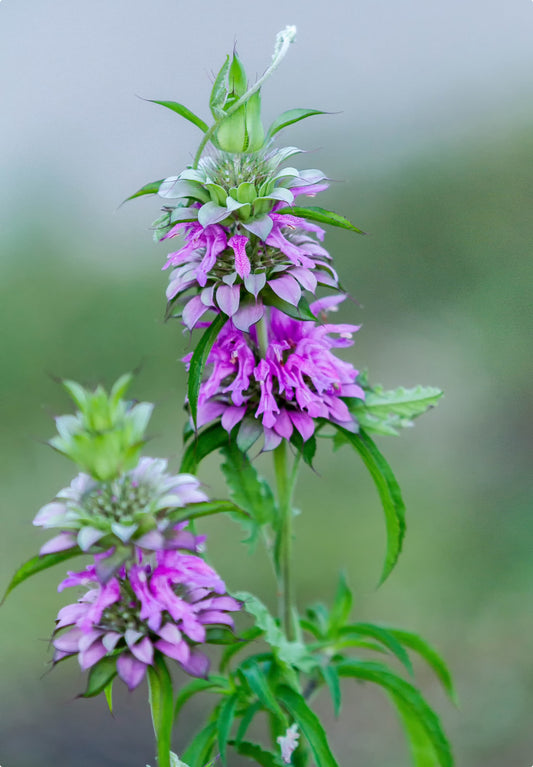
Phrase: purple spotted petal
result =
(242, 262)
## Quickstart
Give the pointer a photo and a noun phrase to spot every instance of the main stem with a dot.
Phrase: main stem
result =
(285, 481)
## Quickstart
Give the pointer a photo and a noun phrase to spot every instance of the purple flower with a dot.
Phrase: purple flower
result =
(164, 606)
(297, 381)
(132, 509)
(236, 242)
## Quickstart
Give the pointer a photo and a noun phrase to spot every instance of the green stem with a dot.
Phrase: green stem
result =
(283, 40)
(161, 700)
(285, 481)
(262, 334)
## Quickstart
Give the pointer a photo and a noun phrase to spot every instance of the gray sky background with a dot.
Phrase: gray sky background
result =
(404, 75)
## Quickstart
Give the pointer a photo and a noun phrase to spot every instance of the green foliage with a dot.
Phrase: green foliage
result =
(386, 412)
(100, 676)
(247, 489)
(322, 216)
(151, 188)
(183, 111)
(36, 565)
(410, 699)
(290, 117)
(162, 707)
(198, 360)
(205, 442)
(309, 724)
(388, 490)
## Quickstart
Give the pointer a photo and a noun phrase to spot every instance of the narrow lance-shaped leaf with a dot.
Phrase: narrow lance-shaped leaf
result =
(209, 440)
(198, 360)
(290, 117)
(258, 684)
(205, 509)
(422, 750)
(322, 216)
(199, 749)
(183, 111)
(429, 654)
(409, 696)
(331, 678)
(100, 677)
(256, 753)
(382, 635)
(212, 683)
(342, 604)
(389, 493)
(151, 188)
(36, 565)
(224, 723)
(247, 489)
(309, 724)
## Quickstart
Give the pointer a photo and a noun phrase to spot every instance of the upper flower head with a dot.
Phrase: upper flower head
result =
(243, 248)
(295, 382)
(165, 605)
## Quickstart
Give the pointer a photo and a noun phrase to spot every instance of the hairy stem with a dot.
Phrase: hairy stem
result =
(285, 481)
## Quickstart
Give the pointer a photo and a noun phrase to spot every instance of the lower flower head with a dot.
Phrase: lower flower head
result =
(297, 381)
(165, 606)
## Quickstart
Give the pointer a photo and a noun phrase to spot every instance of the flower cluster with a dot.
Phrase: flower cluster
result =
(163, 606)
(137, 507)
(293, 381)
(240, 250)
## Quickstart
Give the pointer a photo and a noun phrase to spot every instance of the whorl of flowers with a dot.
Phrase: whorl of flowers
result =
(164, 606)
(295, 381)
(134, 508)
(241, 251)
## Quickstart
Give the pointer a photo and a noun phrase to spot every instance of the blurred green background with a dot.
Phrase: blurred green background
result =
(442, 285)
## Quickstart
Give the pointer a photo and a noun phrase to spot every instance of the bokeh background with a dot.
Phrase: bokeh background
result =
(433, 152)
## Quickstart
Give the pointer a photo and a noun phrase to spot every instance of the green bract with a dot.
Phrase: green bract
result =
(106, 435)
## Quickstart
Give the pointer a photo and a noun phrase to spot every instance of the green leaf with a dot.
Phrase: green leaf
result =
(422, 751)
(332, 680)
(224, 723)
(255, 752)
(389, 493)
(240, 644)
(322, 216)
(36, 565)
(183, 111)
(205, 509)
(382, 635)
(258, 684)
(309, 724)
(108, 692)
(386, 412)
(214, 683)
(246, 488)
(342, 604)
(409, 696)
(290, 117)
(300, 312)
(219, 92)
(198, 360)
(429, 654)
(290, 653)
(246, 720)
(201, 746)
(151, 188)
(100, 675)
(307, 448)
(209, 440)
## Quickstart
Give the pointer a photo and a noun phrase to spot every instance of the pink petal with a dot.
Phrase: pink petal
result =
(92, 655)
(228, 298)
(143, 651)
(192, 312)
(61, 542)
(302, 422)
(247, 315)
(130, 670)
(287, 288)
(179, 651)
(232, 416)
(197, 665)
